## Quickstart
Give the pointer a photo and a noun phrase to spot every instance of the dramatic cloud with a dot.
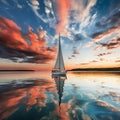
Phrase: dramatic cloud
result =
(23, 45)
(63, 14)
(10, 35)
(89, 25)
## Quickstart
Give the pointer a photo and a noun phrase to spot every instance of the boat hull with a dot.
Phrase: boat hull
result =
(59, 73)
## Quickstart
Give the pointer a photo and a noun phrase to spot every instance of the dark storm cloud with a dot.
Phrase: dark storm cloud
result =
(10, 53)
(23, 56)
(13, 44)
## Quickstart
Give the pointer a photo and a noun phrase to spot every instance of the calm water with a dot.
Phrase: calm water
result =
(79, 96)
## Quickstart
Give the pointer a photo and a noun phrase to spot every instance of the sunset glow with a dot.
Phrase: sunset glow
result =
(90, 37)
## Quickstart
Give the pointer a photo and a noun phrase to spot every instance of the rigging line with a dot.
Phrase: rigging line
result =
(59, 51)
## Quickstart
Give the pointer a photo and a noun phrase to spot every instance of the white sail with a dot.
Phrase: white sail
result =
(59, 61)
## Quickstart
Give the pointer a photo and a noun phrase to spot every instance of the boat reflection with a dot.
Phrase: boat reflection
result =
(59, 81)
(61, 108)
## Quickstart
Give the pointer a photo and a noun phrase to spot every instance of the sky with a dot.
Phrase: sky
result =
(89, 29)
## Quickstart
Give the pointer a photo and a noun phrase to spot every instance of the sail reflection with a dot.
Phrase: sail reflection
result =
(61, 109)
(59, 81)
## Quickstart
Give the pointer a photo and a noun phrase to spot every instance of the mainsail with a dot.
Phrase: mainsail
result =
(59, 61)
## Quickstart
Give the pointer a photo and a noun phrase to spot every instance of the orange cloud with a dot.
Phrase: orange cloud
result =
(36, 40)
(63, 14)
(11, 37)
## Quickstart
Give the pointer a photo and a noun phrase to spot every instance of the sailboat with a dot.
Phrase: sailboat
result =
(59, 68)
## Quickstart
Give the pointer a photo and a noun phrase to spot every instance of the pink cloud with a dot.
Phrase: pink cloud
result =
(63, 13)
(12, 37)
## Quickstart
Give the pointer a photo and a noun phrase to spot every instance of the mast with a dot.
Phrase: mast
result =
(59, 46)
(59, 61)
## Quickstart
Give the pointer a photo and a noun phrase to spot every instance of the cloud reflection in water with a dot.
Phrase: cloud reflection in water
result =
(82, 96)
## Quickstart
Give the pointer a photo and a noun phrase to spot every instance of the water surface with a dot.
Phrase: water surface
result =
(78, 96)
